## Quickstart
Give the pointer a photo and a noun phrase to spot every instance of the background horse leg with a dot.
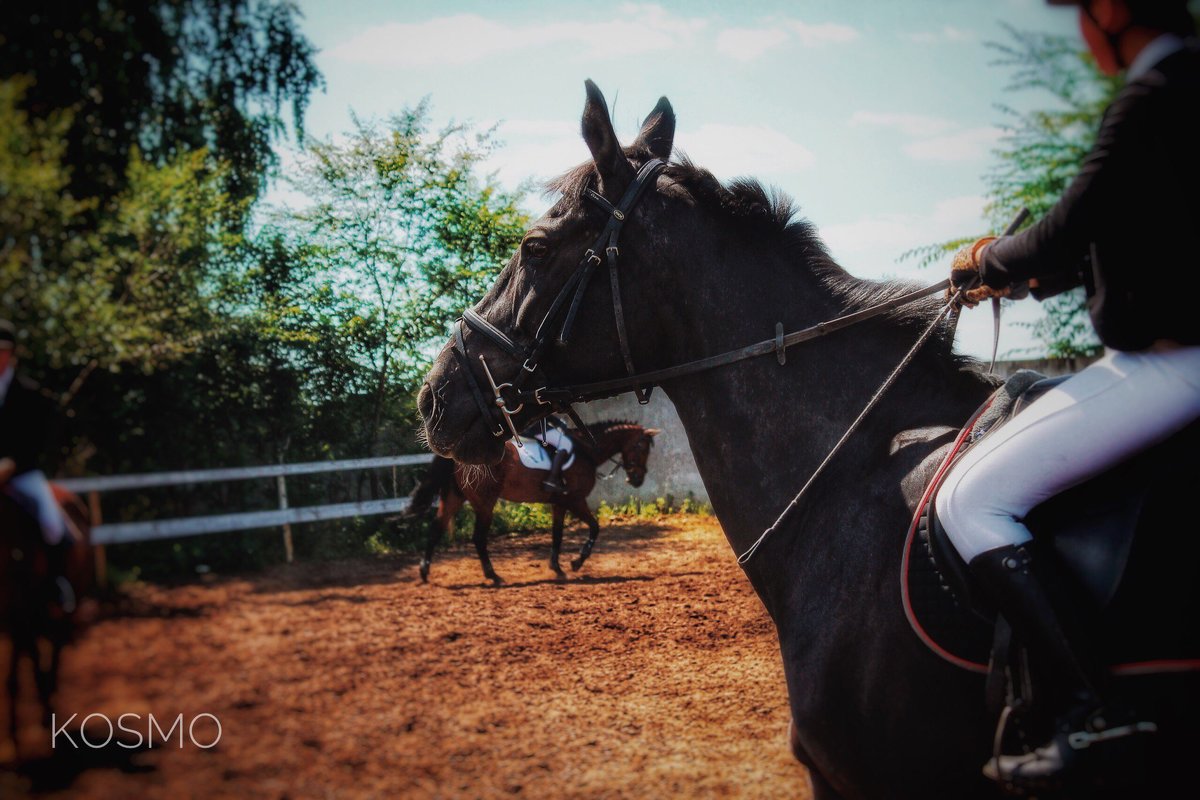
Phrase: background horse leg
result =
(556, 533)
(581, 511)
(483, 522)
(45, 671)
(16, 643)
(442, 521)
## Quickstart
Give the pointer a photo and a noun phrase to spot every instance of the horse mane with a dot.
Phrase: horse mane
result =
(772, 214)
(604, 426)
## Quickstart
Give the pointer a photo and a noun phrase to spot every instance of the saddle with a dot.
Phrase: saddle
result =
(1126, 540)
(534, 454)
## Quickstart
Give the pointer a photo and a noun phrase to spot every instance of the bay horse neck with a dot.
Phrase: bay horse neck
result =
(769, 424)
(610, 439)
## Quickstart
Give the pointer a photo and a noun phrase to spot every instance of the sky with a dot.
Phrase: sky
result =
(878, 117)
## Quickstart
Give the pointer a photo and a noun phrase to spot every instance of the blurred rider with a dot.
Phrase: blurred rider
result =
(27, 418)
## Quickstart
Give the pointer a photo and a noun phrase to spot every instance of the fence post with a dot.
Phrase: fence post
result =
(281, 483)
(99, 557)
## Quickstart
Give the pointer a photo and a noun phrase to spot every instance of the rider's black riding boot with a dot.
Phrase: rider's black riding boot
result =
(553, 482)
(1089, 736)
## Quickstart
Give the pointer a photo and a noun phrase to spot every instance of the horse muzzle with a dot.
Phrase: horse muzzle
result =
(454, 428)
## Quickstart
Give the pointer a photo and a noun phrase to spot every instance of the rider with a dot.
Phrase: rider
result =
(1125, 215)
(555, 437)
(27, 418)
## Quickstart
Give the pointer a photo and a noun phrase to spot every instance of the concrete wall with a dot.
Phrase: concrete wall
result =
(672, 471)
(672, 468)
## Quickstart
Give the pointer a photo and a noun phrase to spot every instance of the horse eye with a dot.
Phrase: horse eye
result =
(536, 247)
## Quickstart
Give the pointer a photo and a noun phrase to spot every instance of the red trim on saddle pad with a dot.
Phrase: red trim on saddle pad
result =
(1131, 669)
(936, 481)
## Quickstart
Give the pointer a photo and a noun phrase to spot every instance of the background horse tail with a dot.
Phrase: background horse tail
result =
(439, 476)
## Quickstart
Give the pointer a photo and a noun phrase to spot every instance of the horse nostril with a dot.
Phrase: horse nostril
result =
(426, 401)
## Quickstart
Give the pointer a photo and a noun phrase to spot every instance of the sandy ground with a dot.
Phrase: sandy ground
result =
(653, 673)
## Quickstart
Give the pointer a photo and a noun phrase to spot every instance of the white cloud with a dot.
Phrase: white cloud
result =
(908, 124)
(948, 33)
(467, 38)
(535, 149)
(811, 35)
(730, 151)
(966, 145)
(747, 44)
(933, 138)
(897, 232)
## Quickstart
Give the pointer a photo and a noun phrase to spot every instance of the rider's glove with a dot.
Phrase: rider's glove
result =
(964, 272)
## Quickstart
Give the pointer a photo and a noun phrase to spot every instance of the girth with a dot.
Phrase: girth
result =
(509, 398)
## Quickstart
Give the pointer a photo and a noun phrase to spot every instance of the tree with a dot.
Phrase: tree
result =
(408, 235)
(162, 78)
(136, 137)
(112, 283)
(1039, 154)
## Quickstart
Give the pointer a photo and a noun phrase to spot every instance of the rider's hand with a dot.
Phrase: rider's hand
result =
(964, 272)
(7, 468)
(971, 297)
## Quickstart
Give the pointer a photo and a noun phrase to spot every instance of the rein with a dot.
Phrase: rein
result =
(601, 389)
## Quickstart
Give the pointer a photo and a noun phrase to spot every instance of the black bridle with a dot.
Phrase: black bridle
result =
(530, 357)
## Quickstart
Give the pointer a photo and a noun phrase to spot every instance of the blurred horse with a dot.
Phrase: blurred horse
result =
(30, 613)
(625, 442)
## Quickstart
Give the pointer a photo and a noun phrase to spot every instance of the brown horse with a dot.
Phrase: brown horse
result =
(455, 484)
(29, 609)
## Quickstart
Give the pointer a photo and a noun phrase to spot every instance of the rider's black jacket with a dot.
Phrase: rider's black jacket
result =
(1126, 227)
(28, 419)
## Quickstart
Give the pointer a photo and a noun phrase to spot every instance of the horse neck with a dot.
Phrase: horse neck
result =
(610, 441)
(759, 429)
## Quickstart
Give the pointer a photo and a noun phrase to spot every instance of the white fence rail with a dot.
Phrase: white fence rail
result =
(123, 532)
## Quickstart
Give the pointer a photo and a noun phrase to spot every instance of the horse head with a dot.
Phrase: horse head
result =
(635, 453)
(545, 301)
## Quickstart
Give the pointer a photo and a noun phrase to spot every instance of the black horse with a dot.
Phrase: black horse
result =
(706, 268)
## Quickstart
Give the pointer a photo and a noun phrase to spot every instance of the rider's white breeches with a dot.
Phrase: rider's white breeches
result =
(1120, 405)
(32, 490)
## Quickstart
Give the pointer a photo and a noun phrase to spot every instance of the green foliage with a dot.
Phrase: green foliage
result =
(135, 138)
(162, 77)
(402, 234)
(402, 223)
(110, 283)
(635, 507)
(1039, 153)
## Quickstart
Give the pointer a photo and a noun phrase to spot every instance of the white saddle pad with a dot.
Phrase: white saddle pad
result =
(534, 456)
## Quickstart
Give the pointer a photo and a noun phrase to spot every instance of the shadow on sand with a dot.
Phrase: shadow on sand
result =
(58, 770)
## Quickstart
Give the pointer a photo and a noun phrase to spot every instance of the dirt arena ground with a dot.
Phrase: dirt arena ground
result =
(652, 674)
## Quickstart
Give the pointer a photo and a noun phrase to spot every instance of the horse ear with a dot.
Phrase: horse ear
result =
(616, 172)
(658, 131)
(653, 431)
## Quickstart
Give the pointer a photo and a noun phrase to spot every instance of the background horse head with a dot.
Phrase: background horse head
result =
(454, 484)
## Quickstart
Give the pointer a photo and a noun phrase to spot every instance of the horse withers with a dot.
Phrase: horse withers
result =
(454, 484)
(30, 613)
(707, 269)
